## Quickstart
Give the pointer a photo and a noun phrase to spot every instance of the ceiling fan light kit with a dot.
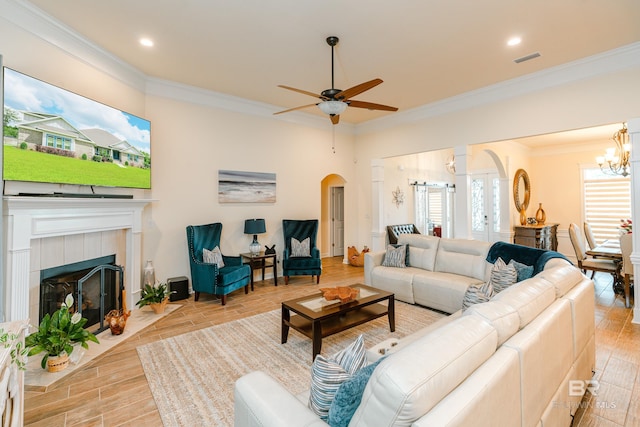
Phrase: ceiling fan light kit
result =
(334, 102)
(332, 107)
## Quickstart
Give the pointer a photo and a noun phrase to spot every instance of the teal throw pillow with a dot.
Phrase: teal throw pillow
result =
(349, 395)
(524, 271)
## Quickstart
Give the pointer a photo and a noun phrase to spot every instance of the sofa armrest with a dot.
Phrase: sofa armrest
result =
(259, 400)
(371, 259)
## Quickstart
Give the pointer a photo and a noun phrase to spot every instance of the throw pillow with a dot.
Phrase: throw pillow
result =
(524, 271)
(503, 275)
(328, 374)
(477, 294)
(396, 256)
(300, 249)
(213, 256)
(349, 395)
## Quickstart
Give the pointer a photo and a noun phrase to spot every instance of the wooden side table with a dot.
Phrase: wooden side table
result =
(261, 261)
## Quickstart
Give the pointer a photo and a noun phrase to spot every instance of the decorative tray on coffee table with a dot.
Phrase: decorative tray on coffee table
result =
(340, 294)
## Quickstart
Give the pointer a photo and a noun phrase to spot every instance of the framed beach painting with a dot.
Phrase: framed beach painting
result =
(246, 187)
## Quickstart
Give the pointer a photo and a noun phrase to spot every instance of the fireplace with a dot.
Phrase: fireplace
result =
(96, 285)
(43, 232)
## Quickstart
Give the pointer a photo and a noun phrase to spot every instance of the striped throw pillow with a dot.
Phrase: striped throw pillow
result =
(328, 374)
(503, 275)
(300, 249)
(477, 294)
(213, 256)
(395, 256)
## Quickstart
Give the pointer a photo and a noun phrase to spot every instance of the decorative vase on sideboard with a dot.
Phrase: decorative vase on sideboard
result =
(541, 216)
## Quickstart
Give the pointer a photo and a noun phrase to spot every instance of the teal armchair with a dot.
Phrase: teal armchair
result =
(308, 265)
(209, 278)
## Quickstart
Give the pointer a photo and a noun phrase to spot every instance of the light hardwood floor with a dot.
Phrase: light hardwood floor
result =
(112, 389)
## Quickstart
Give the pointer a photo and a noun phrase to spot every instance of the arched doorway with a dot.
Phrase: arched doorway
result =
(332, 217)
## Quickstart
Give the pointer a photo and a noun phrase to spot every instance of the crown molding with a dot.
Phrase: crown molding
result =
(32, 20)
(621, 58)
(195, 95)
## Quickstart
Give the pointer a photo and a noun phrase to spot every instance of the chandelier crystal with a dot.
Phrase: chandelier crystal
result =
(616, 159)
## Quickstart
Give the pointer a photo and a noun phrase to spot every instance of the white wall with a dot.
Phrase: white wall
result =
(191, 143)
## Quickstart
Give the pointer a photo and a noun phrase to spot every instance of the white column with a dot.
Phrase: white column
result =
(462, 227)
(633, 126)
(18, 259)
(377, 205)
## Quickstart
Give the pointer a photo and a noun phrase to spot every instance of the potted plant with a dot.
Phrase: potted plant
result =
(155, 296)
(56, 336)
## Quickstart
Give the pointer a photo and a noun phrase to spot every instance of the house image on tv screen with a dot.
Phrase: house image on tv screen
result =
(54, 135)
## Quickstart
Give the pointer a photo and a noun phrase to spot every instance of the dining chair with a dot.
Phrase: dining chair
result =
(626, 247)
(588, 232)
(589, 263)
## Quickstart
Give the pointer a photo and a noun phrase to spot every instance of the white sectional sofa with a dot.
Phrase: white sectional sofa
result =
(439, 274)
(516, 360)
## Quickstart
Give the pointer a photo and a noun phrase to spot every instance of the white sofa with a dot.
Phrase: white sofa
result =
(439, 274)
(515, 360)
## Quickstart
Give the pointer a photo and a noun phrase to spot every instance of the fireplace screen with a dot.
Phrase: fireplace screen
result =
(96, 286)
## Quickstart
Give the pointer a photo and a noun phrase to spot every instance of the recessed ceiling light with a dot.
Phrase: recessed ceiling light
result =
(146, 42)
(513, 41)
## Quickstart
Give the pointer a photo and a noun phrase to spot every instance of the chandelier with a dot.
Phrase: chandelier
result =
(616, 159)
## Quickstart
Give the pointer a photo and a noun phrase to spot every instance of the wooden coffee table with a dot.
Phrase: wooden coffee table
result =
(316, 318)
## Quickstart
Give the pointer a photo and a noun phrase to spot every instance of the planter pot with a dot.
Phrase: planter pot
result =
(159, 307)
(58, 363)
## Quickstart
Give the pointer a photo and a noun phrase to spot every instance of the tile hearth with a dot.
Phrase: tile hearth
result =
(38, 379)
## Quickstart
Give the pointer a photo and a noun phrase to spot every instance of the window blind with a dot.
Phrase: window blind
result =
(607, 200)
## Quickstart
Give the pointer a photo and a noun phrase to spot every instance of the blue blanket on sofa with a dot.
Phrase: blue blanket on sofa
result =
(523, 254)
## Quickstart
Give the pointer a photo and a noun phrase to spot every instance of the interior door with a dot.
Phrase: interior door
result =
(485, 207)
(337, 221)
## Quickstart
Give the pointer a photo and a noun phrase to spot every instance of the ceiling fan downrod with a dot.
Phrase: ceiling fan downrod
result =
(330, 93)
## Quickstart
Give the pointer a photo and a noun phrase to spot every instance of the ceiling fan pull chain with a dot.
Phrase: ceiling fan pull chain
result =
(333, 144)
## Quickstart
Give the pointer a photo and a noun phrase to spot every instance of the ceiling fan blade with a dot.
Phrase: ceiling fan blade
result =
(315, 95)
(351, 92)
(371, 106)
(335, 119)
(295, 108)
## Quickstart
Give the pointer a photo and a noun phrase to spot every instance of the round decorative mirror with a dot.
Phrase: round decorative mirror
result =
(521, 190)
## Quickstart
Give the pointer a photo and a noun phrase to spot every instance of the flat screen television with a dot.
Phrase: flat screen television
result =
(53, 135)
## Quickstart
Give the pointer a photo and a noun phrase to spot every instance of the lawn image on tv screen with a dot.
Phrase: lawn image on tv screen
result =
(53, 135)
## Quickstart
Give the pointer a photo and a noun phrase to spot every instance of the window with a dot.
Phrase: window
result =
(607, 200)
(434, 206)
(57, 141)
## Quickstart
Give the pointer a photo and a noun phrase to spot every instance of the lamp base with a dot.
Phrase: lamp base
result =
(254, 247)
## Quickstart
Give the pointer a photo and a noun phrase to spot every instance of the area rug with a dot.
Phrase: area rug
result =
(191, 376)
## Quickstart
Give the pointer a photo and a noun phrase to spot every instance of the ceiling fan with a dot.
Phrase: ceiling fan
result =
(334, 101)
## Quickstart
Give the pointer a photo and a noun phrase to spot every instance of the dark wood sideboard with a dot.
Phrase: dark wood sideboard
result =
(537, 236)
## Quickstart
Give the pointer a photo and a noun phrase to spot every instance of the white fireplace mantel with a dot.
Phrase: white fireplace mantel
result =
(28, 218)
